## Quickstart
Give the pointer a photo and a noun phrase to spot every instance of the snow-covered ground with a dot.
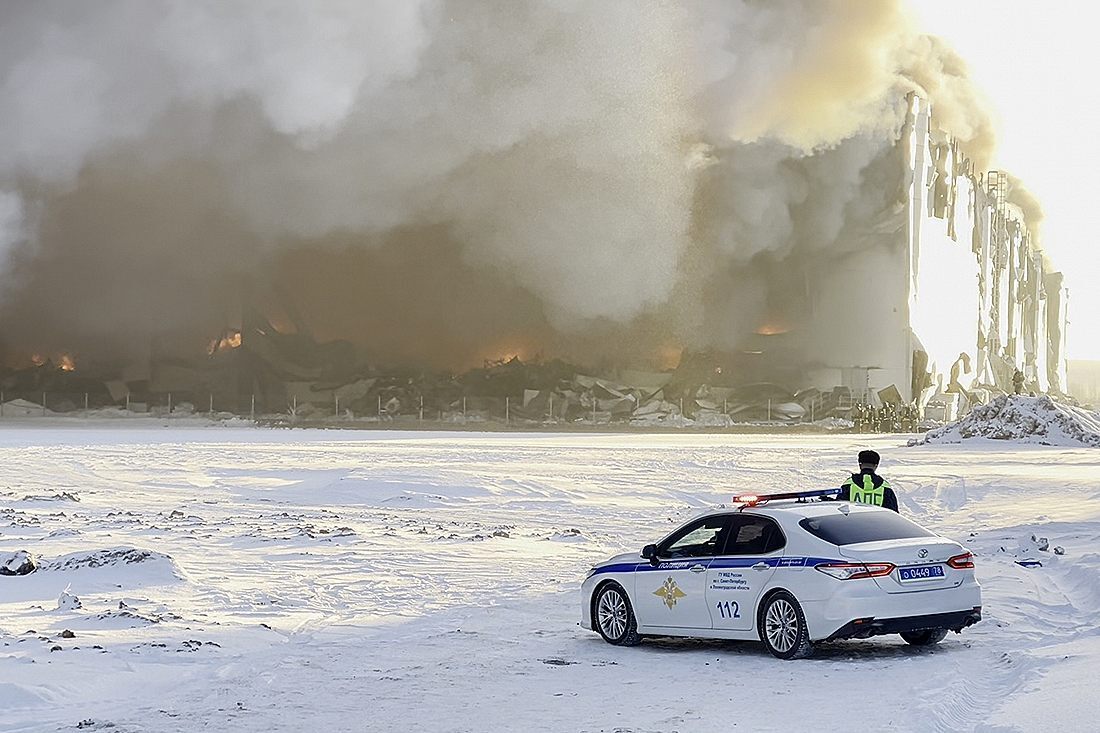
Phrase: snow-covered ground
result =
(284, 580)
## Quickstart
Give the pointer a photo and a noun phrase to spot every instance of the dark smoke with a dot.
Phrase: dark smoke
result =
(445, 181)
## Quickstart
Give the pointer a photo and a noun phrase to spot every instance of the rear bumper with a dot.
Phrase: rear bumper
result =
(866, 627)
(851, 600)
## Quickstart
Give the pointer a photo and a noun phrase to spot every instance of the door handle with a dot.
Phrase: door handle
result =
(697, 568)
(760, 566)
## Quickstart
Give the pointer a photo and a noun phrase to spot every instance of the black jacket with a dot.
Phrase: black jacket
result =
(889, 498)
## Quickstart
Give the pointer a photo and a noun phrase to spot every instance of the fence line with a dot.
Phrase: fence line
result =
(465, 409)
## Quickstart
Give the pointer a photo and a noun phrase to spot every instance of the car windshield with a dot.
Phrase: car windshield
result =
(851, 529)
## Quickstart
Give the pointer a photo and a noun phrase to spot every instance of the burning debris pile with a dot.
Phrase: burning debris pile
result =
(1023, 419)
(260, 370)
(277, 373)
(22, 390)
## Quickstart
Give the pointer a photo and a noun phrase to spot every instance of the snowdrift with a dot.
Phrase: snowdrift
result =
(154, 563)
(20, 562)
(1023, 419)
(115, 563)
(86, 572)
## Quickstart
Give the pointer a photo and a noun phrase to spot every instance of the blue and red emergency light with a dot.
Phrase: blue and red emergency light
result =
(758, 499)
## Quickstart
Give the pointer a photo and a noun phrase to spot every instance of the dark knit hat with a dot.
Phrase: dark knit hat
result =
(868, 458)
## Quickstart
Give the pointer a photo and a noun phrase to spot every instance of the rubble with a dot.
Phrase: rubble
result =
(1024, 419)
(291, 378)
(23, 408)
(262, 372)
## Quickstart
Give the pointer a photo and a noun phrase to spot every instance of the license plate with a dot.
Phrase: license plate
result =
(920, 572)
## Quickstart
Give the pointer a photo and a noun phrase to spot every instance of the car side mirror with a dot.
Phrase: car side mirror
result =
(649, 552)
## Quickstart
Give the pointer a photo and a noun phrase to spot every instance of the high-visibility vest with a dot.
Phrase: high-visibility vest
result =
(865, 491)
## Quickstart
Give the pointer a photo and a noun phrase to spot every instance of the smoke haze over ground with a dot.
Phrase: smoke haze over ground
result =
(443, 181)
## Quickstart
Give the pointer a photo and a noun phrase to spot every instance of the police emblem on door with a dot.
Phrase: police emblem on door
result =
(670, 593)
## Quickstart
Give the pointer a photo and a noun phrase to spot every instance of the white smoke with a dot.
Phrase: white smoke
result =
(79, 77)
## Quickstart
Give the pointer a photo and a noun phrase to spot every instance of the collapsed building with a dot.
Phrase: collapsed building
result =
(765, 194)
(934, 298)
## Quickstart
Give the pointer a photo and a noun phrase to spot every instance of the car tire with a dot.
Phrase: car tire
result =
(614, 616)
(925, 637)
(782, 627)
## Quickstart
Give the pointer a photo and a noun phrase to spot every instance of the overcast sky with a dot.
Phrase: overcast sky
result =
(1037, 60)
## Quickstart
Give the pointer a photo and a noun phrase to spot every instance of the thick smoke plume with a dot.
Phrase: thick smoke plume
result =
(443, 180)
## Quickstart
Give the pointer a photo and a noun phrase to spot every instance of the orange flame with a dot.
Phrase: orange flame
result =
(506, 350)
(38, 360)
(67, 364)
(230, 340)
(771, 329)
(669, 355)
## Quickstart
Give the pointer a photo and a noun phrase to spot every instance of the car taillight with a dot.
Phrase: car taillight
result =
(959, 562)
(855, 570)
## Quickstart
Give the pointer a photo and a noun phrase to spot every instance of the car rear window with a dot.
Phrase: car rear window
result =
(850, 529)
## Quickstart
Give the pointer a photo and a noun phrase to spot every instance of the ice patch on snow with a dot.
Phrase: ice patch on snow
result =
(1022, 419)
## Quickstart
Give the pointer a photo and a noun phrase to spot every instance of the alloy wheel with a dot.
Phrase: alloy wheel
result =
(611, 613)
(781, 625)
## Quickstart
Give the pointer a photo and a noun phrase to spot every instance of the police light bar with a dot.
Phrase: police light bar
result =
(757, 499)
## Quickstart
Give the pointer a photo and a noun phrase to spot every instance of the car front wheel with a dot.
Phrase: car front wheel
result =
(927, 637)
(783, 627)
(615, 618)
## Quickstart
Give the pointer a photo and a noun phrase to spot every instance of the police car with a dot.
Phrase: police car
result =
(790, 571)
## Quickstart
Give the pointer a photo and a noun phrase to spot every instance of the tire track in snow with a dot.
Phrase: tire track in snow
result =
(1026, 609)
(975, 688)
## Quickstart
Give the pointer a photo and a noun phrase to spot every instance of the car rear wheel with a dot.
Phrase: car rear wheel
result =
(614, 617)
(926, 637)
(782, 627)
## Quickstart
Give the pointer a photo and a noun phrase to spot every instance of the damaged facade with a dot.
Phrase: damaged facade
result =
(957, 298)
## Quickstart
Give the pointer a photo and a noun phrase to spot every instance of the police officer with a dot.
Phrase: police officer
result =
(867, 487)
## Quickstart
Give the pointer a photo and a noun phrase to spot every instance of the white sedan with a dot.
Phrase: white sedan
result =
(790, 573)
